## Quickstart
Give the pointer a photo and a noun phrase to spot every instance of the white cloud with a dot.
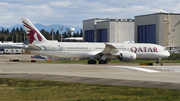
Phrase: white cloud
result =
(60, 3)
(3, 3)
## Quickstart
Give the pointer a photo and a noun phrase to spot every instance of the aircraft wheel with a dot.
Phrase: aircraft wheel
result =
(94, 62)
(157, 62)
(91, 61)
(101, 62)
(105, 62)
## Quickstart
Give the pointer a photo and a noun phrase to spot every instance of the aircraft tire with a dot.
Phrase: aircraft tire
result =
(94, 62)
(157, 62)
(91, 61)
(103, 61)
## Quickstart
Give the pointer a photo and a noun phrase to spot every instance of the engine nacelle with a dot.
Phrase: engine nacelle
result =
(127, 56)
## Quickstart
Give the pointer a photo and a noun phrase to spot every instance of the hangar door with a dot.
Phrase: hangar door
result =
(102, 35)
(147, 34)
(89, 36)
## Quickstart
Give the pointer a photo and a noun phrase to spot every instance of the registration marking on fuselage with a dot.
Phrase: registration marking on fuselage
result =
(136, 68)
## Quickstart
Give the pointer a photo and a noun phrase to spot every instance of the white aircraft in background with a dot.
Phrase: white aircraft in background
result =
(103, 52)
(12, 45)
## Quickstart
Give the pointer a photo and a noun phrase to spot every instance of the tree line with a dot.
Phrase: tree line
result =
(19, 35)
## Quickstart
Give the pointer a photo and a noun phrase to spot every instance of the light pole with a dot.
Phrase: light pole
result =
(173, 29)
(52, 33)
(16, 38)
(169, 39)
(24, 35)
(61, 32)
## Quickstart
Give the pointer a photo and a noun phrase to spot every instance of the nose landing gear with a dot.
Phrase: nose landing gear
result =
(157, 62)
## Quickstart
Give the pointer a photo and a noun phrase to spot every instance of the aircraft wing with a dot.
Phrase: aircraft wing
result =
(110, 50)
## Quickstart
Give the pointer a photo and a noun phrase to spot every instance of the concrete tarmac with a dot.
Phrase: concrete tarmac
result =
(164, 77)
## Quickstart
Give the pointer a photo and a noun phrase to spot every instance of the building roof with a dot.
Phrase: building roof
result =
(108, 19)
(73, 38)
(159, 13)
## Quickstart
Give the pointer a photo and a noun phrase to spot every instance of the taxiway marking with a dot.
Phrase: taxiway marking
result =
(136, 68)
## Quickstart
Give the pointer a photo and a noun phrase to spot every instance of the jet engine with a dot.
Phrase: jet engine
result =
(127, 56)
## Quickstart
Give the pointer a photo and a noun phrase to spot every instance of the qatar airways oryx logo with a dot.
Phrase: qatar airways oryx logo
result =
(144, 49)
(32, 34)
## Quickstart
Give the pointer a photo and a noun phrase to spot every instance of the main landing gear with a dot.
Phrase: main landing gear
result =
(92, 61)
(103, 61)
(157, 62)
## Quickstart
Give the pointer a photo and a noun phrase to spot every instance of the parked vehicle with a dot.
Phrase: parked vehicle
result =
(13, 51)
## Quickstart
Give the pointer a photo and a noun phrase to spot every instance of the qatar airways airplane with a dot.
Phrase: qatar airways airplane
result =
(103, 52)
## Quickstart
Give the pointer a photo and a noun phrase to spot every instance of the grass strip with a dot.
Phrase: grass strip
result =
(20, 89)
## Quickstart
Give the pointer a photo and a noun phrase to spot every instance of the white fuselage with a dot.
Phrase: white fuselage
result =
(87, 50)
(11, 45)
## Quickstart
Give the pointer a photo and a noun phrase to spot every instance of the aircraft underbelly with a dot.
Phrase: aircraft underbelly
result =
(64, 54)
(149, 55)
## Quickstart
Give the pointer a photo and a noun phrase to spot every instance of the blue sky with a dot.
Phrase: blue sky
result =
(73, 12)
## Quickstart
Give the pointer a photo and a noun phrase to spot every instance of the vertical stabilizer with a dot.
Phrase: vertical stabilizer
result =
(34, 36)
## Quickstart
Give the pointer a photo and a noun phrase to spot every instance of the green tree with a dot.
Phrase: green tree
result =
(48, 36)
(15, 37)
(17, 30)
(3, 30)
(81, 34)
(7, 32)
(65, 35)
(43, 32)
(57, 36)
(13, 30)
(22, 34)
(78, 34)
(2, 37)
(74, 35)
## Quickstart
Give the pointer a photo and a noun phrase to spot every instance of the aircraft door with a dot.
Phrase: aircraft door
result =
(55, 48)
(91, 48)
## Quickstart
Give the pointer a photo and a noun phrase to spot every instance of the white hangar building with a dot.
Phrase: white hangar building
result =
(158, 28)
(108, 30)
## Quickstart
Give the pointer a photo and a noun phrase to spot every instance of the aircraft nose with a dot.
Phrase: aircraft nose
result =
(167, 54)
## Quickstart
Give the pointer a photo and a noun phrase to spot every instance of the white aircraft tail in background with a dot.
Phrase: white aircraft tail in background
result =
(132, 36)
(103, 52)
